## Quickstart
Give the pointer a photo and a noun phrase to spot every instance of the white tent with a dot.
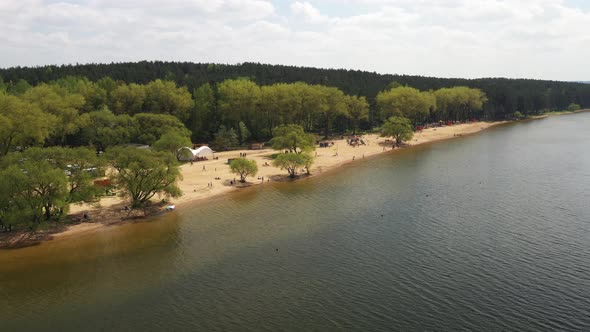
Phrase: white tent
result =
(188, 154)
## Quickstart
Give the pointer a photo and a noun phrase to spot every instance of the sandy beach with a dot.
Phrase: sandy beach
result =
(197, 176)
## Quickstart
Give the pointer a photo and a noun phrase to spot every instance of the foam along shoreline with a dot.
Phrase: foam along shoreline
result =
(196, 177)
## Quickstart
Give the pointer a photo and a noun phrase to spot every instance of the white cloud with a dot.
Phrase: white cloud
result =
(527, 38)
(307, 11)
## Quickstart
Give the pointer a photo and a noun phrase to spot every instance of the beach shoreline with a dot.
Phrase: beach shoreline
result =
(198, 177)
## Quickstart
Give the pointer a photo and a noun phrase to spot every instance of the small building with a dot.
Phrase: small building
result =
(103, 182)
(256, 146)
(188, 154)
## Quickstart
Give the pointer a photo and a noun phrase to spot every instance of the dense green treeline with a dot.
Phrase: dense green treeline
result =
(39, 184)
(505, 96)
(78, 112)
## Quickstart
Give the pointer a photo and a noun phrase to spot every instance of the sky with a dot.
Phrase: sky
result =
(541, 39)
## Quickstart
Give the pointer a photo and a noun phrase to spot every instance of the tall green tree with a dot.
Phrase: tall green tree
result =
(293, 161)
(19, 88)
(108, 85)
(79, 166)
(65, 106)
(171, 142)
(151, 127)
(399, 128)
(405, 101)
(127, 99)
(293, 138)
(312, 102)
(143, 174)
(13, 211)
(82, 166)
(333, 104)
(458, 103)
(243, 132)
(95, 97)
(164, 97)
(225, 138)
(238, 101)
(22, 124)
(243, 167)
(37, 188)
(204, 118)
(3, 85)
(106, 129)
(358, 109)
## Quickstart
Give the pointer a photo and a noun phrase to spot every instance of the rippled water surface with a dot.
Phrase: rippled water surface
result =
(487, 232)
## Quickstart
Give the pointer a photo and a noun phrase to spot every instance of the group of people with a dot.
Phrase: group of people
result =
(326, 144)
(355, 140)
(242, 154)
(198, 159)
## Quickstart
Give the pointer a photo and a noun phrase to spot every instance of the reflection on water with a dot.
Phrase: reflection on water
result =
(484, 232)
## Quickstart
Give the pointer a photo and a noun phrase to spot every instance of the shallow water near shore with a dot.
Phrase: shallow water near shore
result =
(486, 232)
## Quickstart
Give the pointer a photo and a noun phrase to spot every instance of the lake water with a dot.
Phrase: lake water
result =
(486, 232)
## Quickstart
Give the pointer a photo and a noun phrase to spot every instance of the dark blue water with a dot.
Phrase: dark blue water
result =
(486, 232)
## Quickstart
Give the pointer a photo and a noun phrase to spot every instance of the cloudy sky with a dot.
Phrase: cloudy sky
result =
(546, 39)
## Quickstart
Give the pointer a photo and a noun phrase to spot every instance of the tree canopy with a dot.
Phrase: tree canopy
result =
(142, 174)
(22, 124)
(40, 183)
(225, 138)
(399, 128)
(243, 167)
(293, 138)
(505, 95)
(405, 101)
(292, 161)
(171, 142)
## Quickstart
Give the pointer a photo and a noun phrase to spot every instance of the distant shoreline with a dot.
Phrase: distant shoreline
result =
(197, 176)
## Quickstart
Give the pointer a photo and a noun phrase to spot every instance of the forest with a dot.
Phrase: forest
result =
(75, 111)
(505, 96)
